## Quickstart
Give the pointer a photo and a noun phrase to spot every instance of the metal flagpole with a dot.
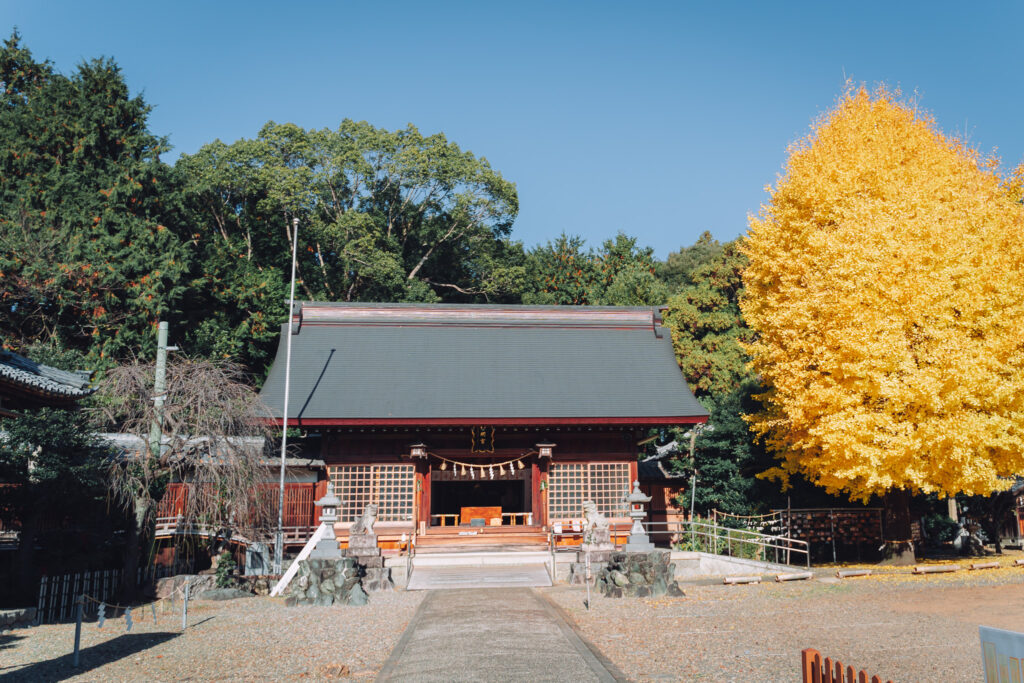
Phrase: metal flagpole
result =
(279, 545)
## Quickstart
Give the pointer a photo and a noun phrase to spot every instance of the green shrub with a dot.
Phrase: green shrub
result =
(939, 528)
(225, 568)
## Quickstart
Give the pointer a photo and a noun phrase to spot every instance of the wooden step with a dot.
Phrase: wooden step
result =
(524, 539)
(493, 546)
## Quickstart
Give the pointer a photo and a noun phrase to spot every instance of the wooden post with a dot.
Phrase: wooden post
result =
(184, 607)
(810, 660)
(935, 568)
(78, 628)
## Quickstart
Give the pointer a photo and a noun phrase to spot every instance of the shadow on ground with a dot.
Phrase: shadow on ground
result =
(89, 658)
(7, 640)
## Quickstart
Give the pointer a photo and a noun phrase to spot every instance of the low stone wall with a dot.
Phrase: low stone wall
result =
(17, 618)
(697, 564)
(326, 582)
(640, 575)
(197, 583)
(260, 584)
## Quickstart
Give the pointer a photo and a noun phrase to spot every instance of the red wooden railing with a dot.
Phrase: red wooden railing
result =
(173, 502)
(299, 510)
(815, 670)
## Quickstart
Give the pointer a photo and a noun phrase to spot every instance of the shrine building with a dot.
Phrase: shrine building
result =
(479, 423)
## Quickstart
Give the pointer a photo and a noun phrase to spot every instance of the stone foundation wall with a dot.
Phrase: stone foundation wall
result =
(326, 582)
(646, 574)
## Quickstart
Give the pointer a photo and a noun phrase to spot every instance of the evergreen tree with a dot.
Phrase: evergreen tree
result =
(90, 253)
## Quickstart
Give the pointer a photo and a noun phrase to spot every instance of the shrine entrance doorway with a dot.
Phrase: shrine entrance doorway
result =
(458, 500)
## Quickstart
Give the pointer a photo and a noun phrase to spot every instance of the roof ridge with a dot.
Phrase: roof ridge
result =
(482, 315)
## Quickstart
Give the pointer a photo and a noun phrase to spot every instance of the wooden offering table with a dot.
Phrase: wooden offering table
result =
(488, 514)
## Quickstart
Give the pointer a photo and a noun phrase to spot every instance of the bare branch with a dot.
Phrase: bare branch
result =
(215, 432)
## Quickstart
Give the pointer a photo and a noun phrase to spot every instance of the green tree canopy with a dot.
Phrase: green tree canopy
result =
(90, 253)
(707, 326)
(619, 274)
(675, 270)
(384, 216)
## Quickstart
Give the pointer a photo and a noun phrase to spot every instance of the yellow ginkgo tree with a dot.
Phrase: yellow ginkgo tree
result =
(886, 292)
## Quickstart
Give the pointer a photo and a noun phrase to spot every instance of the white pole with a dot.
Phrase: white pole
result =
(279, 546)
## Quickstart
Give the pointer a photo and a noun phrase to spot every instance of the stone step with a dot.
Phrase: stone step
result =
(481, 559)
(509, 576)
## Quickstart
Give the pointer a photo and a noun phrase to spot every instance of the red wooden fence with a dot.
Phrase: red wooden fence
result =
(817, 671)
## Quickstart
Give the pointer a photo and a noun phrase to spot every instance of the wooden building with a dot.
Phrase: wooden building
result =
(482, 424)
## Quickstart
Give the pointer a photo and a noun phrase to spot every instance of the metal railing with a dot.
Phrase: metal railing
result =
(723, 540)
(410, 553)
(699, 536)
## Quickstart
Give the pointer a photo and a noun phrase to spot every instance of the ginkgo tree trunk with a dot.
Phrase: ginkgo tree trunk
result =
(885, 291)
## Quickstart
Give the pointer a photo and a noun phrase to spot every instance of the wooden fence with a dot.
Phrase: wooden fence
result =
(57, 593)
(815, 670)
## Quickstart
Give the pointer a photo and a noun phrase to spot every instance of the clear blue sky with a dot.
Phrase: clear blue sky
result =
(658, 119)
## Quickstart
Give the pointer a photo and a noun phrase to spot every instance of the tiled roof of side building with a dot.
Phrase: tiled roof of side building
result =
(38, 378)
(407, 362)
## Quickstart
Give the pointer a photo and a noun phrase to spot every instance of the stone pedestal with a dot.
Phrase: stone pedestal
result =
(362, 548)
(598, 544)
(638, 543)
(647, 574)
(326, 582)
(326, 549)
(578, 571)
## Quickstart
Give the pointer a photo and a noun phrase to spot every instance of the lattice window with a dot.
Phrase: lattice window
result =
(607, 482)
(566, 490)
(569, 484)
(391, 487)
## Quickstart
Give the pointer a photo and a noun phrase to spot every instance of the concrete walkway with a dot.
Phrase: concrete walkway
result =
(491, 634)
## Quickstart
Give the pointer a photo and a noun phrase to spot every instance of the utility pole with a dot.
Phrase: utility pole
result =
(279, 544)
(156, 430)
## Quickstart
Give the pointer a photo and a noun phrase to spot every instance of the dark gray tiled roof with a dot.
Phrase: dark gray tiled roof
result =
(479, 362)
(37, 377)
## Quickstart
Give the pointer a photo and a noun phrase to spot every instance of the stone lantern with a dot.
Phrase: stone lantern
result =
(327, 546)
(638, 540)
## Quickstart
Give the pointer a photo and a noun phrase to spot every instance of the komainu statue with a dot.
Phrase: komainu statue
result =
(364, 525)
(594, 519)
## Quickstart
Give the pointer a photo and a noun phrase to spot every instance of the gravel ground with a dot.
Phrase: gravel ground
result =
(900, 627)
(248, 639)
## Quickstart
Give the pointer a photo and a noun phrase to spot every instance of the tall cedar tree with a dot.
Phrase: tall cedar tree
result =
(884, 286)
(707, 331)
(707, 326)
(86, 255)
